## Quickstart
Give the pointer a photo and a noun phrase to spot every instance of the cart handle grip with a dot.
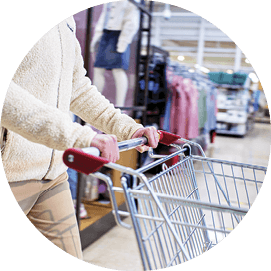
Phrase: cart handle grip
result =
(88, 160)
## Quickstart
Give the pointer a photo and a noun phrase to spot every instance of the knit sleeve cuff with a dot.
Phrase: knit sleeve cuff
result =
(85, 138)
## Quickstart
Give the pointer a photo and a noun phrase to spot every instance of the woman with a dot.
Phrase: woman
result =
(37, 128)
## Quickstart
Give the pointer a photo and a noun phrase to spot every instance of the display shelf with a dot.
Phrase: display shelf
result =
(101, 223)
(95, 212)
(227, 86)
(262, 119)
(226, 132)
(234, 115)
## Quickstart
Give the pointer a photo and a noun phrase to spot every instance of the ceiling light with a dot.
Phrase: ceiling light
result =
(205, 70)
(167, 12)
(181, 58)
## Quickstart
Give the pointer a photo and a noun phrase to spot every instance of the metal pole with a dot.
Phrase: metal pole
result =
(87, 57)
(201, 42)
(138, 58)
(238, 58)
(144, 121)
(80, 183)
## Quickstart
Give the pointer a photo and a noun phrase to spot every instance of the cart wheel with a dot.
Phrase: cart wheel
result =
(129, 179)
(187, 152)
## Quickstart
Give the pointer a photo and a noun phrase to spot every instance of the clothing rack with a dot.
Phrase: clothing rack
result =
(157, 86)
(158, 51)
(157, 56)
(206, 94)
(183, 71)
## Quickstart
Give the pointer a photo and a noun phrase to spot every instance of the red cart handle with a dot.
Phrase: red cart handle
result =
(87, 160)
(82, 161)
(167, 138)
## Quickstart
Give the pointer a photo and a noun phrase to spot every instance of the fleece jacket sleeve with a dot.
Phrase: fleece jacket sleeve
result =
(40, 123)
(90, 105)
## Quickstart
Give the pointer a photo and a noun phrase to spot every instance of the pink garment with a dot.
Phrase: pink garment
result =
(175, 105)
(192, 109)
(170, 75)
(184, 110)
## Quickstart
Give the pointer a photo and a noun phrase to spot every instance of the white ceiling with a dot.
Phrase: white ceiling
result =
(187, 34)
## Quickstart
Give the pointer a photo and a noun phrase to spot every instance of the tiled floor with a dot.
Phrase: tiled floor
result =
(118, 248)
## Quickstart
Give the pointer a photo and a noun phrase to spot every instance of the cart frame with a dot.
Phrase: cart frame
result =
(185, 209)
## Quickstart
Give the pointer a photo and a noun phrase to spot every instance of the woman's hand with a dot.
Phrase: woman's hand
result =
(152, 136)
(108, 146)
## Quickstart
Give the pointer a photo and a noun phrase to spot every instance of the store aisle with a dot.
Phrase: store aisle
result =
(254, 148)
(118, 249)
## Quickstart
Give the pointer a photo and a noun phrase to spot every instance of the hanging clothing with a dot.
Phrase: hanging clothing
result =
(166, 121)
(192, 110)
(177, 106)
(184, 110)
(157, 89)
(166, 124)
(202, 108)
(192, 103)
(211, 106)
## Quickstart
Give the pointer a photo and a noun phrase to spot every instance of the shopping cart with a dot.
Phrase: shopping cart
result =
(186, 208)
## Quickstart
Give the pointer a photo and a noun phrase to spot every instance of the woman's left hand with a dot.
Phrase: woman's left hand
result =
(151, 134)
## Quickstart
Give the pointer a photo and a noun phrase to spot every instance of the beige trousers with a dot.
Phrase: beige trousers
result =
(48, 205)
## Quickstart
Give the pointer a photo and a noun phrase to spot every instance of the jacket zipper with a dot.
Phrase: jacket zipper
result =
(57, 102)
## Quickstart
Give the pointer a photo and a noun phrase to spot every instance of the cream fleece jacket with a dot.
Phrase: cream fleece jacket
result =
(49, 83)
